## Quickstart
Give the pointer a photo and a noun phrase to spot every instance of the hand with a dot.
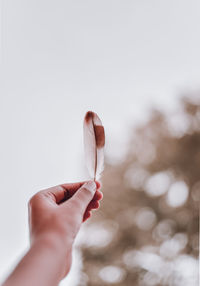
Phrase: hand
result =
(56, 214)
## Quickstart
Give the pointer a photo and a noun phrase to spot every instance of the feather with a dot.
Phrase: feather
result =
(94, 141)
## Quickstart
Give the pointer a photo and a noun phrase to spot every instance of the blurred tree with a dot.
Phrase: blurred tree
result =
(146, 232)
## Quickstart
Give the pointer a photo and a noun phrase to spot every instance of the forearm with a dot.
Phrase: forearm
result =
(44, 264)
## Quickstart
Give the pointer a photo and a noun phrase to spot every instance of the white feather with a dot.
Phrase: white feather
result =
(94, 141)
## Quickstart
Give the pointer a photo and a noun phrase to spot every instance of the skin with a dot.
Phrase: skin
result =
(55, 217)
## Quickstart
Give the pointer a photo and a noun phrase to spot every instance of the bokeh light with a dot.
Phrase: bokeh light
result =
(111, 274)
(150, 208)
(177, 194)
(158, 184)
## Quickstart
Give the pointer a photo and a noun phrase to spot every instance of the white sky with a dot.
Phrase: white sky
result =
(61, 58)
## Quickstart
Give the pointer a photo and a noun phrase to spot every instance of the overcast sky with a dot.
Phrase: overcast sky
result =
(62, 58)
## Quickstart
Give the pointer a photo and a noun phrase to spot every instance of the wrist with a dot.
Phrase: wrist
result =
(57, 250)
(53, 242)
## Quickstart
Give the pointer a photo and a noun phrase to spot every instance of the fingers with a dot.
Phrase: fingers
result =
(59, 194)
(48, 197)
(72, 188)
(94, 204)
(86, 216)
(83, 196)
(98, 196)
(56, 194)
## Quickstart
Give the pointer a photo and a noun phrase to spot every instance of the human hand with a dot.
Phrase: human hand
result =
(56, 214)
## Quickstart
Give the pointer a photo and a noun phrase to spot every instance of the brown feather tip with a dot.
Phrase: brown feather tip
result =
(89, 115)
(99, 135)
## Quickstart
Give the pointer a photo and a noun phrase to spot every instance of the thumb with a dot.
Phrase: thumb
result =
(84, 195)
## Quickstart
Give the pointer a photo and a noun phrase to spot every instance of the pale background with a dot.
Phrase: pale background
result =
(62, 58)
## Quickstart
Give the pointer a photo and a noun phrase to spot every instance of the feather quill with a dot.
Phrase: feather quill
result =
(94, 141)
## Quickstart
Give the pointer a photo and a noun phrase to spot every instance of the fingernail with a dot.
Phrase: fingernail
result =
(91, 186)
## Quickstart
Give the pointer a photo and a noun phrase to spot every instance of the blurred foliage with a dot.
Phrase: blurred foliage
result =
(146, 231)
